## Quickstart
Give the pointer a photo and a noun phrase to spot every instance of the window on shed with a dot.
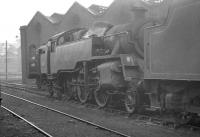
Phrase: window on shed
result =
(32, 50)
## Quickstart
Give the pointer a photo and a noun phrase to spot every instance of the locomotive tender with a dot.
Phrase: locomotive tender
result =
(149, 65)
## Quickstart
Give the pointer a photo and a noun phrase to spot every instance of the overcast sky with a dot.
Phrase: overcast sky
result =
(15, 13)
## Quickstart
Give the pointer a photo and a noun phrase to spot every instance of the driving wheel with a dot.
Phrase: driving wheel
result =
(101, 97)
(131, 102)
(82, 89)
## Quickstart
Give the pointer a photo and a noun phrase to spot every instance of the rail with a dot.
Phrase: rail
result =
(30, 123)
(71, 116)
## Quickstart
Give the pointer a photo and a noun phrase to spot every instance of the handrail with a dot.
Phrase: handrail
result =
(119, 33)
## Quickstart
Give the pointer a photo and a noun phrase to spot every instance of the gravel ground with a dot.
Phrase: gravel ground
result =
(11, 126)
(126, 125)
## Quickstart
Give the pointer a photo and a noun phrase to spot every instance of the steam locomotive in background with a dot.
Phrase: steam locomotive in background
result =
(144, 63)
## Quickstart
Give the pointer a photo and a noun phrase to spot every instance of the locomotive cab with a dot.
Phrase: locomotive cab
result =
(42, 57)
(33, 70)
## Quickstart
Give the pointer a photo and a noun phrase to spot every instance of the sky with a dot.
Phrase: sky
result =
(16, 13)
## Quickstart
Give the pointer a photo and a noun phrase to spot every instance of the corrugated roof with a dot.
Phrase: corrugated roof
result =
(55, 18)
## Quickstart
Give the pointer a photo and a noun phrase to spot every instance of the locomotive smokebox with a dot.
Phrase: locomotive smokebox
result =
(131, 43)
(138, 12)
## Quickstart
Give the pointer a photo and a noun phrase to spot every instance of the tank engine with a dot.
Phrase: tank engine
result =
(147, 65)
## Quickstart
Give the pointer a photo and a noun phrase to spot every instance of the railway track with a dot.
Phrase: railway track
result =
(19, 86)
(97, 126)
(145, 118)
(110, 109)
(23, 87)
(30, 123)
(33, 89)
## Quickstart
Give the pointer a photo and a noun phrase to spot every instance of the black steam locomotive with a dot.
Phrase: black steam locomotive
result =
(144, 63)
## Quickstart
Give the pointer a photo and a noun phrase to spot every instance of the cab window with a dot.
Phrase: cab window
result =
(41, 51)
(53, 46)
